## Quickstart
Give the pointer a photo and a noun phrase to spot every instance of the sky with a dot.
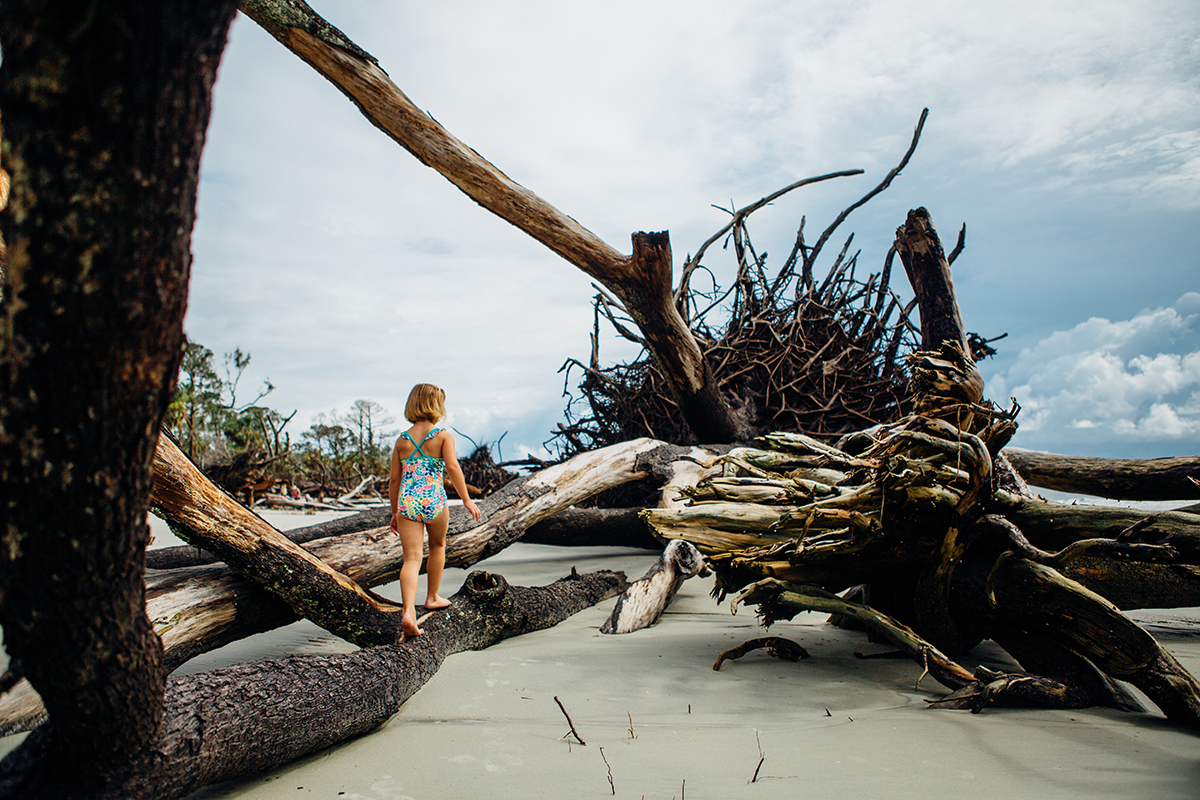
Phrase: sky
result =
(1065, 135)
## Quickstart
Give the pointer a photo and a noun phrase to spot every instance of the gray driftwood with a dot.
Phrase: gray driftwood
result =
(648, 597)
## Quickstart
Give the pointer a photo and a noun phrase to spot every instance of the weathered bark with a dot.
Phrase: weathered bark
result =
(1117, 478)
(1053, 526)
(105, 110)
(214, 729)
(648, 597)
(642, 281)
(1037, 598)
(920, 249)
(204, 515)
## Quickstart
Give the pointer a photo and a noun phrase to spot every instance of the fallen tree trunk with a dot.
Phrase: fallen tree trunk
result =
(214, 728)
(1116, 478)
(648, 597)
(207, 517)
(198, 609)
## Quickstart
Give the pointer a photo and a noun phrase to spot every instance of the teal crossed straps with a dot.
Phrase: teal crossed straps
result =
(422, 483)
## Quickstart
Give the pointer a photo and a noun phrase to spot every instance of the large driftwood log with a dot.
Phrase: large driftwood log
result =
(648, 597)
(1117, 478)
(197, 609)
(207, 517)
(571, 527)
(642, 280)
(214, 729)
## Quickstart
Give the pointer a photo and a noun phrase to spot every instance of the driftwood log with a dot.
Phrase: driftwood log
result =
(213, 726)
(648, 597)
(207, 517)
(948, 552)
(1116, 478)
(197, 609)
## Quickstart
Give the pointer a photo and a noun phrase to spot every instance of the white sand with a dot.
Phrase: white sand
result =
(487, 726)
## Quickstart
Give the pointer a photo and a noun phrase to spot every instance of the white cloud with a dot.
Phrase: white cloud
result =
(1110, 385)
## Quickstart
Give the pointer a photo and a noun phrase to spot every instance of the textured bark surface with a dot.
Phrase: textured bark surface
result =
(920, 248)
(105, 108)
(198, 609)
(214, 728)
(1117, 478)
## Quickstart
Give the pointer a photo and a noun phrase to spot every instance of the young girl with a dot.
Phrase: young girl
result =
(418, 497)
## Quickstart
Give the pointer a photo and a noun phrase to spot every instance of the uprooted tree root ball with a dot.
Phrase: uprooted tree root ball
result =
(925, 522)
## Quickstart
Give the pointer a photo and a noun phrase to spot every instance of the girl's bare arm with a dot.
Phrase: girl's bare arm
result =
(455, 473)
(394, 486)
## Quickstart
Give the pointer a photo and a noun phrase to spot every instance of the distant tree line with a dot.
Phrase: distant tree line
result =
(243, 443)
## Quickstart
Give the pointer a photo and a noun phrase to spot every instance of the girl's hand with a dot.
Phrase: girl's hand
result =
(395, 530)
(473, 509)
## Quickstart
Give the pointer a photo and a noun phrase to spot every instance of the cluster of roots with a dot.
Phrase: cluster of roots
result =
(925, 523)
(792, 355)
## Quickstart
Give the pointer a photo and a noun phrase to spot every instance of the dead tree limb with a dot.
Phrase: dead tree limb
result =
(920, 249)
(642, 281)
(203, 514)
(1117, 478)
(213, 727)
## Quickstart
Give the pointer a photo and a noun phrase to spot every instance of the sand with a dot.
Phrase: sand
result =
(660, 723)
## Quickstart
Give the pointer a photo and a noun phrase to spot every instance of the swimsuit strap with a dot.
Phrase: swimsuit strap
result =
(433, 432)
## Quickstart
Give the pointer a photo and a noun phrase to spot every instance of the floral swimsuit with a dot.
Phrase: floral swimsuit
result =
(422, 487)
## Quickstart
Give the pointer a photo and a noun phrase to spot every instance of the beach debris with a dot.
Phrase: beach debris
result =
(648, 597)
(571, 724)
(776, 646)
(612, 785)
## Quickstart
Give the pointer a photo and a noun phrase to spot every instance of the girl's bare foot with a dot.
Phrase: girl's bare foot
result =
(409, 626)
(436, 604)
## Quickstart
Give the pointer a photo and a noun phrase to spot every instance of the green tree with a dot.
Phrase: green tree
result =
(197, 399)
(206, 417)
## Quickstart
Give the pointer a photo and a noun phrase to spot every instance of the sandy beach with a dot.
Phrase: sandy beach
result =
(660, 723)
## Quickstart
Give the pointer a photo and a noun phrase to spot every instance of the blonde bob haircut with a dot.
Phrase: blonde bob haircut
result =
(426, 403)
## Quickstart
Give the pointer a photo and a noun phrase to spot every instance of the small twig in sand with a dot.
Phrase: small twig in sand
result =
(610, 780)
(632, 735)
(574, 732)
(761, 757)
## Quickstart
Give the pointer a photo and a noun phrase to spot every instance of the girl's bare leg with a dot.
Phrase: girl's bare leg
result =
(436, 562)
(412, 539)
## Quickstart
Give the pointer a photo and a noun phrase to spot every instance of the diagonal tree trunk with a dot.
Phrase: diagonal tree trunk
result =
(205, 516)
(214, 728)
(642, 281)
